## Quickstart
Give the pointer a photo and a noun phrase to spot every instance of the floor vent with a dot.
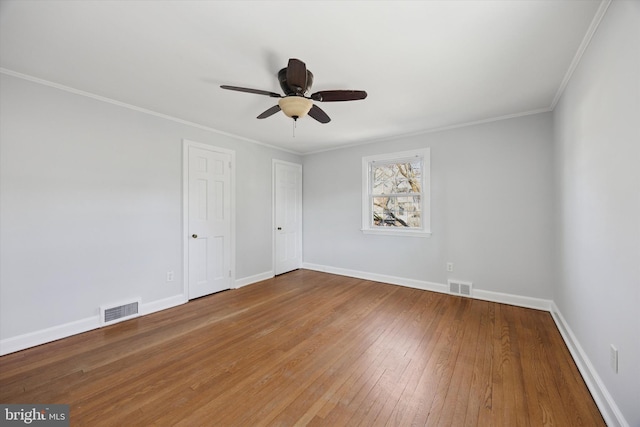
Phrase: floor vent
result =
(118, 313)
(460, 288)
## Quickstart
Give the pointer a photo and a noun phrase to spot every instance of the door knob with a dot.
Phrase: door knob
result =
(195, 236)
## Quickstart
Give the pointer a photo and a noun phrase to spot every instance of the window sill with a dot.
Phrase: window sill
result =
(392, 231)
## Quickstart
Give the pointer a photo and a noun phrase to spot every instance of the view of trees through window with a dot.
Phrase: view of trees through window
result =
(395, 194)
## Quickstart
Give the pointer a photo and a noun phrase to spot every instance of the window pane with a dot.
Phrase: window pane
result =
(393, 211)
(381, 208)
(409, 210)
(396, 178)
(382, 179)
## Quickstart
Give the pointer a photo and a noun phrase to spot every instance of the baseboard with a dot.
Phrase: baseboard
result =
(520, 301)
(607, 406)
(392, 280)
(517, 300)
(253, 279)
(32, 339)
(163, 304)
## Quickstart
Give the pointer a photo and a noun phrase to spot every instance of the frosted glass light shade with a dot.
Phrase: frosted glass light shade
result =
(295, 106)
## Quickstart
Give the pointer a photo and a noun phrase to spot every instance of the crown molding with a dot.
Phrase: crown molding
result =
(135, 108)
(595, 23)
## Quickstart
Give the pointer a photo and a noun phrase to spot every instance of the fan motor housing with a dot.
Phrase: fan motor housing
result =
(282, 78)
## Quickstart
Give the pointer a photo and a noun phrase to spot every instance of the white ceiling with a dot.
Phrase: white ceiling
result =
(425, 64)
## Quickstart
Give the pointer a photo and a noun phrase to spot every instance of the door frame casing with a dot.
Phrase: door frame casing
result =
(186, 144)
(274, 162)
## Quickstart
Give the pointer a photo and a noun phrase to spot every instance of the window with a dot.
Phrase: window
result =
(395, 193)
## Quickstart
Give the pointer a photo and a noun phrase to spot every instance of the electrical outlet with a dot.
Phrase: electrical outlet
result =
(613, 358)
(450, 266)
(169, 276)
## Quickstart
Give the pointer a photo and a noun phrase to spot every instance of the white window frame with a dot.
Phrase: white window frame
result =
(425, 199)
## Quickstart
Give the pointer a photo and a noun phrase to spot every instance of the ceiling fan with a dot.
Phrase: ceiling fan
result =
(295, 81)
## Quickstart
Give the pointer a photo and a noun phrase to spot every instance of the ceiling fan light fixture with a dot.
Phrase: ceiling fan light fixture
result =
(295, 106)
(296, 80)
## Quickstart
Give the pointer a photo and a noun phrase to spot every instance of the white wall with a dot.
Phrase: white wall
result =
(597, 133)
(491, 209)
(91, 206)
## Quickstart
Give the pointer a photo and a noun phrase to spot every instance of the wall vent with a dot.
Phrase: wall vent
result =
(457, 287)
(117, 313)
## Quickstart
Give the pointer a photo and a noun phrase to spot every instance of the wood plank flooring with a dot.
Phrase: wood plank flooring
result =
(310, 348)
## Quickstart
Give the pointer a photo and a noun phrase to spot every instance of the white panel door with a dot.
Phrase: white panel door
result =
(287, 189)
(209, 222)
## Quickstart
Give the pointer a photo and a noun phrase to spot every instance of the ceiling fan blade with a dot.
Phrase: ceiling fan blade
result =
(318, 114)
(338, 95)
(248, 90)
(297, 75)
(270, 112)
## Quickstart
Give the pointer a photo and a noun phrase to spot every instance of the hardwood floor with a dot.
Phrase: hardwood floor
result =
(310, 348)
